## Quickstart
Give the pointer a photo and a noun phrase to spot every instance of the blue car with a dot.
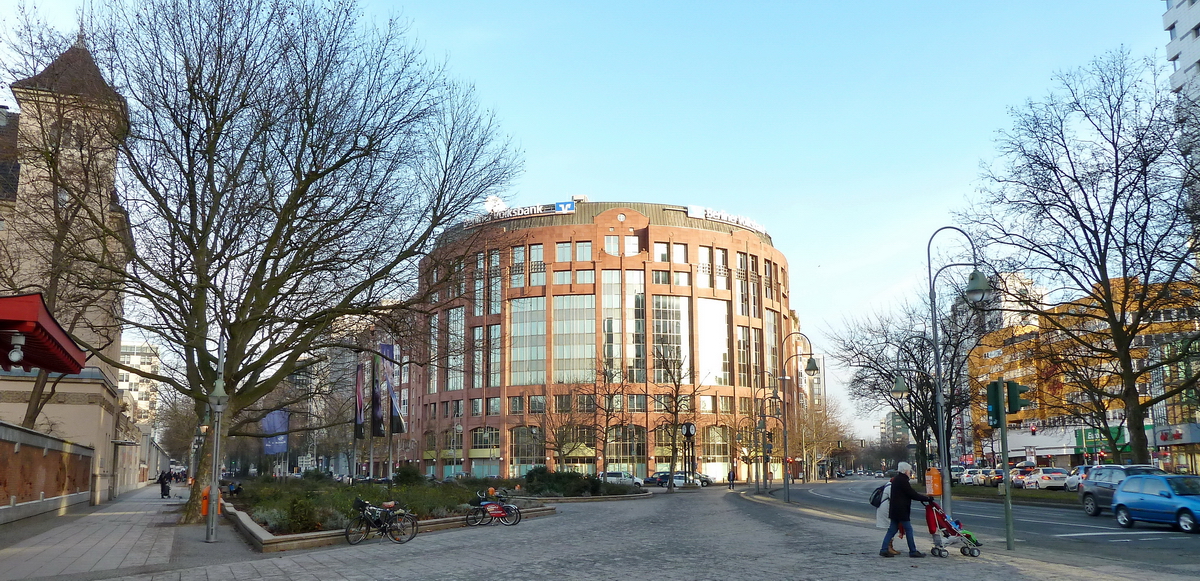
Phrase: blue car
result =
(1159, 498)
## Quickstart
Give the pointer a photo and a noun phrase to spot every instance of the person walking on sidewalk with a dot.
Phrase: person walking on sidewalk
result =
(899, 509)
(164, 484)
(881, 516)
(730, 478)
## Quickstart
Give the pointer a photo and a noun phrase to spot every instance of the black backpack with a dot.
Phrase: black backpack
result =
(877, 496)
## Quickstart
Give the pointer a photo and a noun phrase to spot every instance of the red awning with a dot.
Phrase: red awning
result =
(47, 345)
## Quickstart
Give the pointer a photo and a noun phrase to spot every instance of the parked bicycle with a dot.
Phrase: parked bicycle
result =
(493, 506)
(397, 524)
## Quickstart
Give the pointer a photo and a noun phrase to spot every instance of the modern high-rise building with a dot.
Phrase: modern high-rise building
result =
(584, 335)
(1182, 23)
(144, 391)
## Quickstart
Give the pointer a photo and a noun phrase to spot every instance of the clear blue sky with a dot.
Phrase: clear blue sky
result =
(851, 130)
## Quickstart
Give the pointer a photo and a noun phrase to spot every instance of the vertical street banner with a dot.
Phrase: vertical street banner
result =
(275, 422)
(396, 425)
(360, 431)
(377, 427)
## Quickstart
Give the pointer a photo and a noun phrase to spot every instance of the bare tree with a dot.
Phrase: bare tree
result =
(1093, 198)
(285, 167)
(676, 397)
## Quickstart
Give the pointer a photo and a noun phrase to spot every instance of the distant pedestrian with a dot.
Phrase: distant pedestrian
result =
(730, 478)
(770, 475)
(164, 484)
(899, 509)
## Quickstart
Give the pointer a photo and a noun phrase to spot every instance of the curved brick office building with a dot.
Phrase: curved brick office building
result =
(567, 332)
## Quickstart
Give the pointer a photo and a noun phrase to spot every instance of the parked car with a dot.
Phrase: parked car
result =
(1096, 491)
(1018, 476)
(1163, 498)
(1078, 473)
(968, 476)
(1047, 478)
(879, 474)
(658, 478)
(622, 478)
(956, 473)
(988, 477)
(704, 479)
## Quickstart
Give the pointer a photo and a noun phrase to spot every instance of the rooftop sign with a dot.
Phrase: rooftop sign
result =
(498, 212)
(703, 213)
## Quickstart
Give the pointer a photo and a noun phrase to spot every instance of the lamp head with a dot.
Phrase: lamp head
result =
(900, 388)
(978, 287)
(18, 341)
(812, 368)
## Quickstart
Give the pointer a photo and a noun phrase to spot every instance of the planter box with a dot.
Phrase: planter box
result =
(265, 542)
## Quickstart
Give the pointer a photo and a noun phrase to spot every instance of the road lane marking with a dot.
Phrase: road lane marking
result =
(1116, 533)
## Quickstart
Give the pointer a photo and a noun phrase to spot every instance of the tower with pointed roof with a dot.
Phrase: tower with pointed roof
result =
(61, 234)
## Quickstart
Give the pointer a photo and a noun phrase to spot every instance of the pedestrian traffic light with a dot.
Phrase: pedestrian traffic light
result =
(994, 404)
(1033, 430)
(1015, 401)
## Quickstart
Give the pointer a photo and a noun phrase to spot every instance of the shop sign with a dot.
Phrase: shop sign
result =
(1177, 434)
(497, 212)
(702, 213)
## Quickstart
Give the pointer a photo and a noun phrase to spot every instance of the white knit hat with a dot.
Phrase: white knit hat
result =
(904, 467)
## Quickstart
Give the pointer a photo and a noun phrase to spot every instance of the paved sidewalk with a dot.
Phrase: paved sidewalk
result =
(127, 532)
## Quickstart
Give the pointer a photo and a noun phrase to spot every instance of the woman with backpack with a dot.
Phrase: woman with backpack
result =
(900, 497)
(883, 495)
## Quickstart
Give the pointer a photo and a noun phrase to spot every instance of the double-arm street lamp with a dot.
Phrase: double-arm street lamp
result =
(976, 291)
(811, 368)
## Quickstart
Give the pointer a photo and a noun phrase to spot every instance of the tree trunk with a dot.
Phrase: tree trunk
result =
(37, 400)
(202, 477)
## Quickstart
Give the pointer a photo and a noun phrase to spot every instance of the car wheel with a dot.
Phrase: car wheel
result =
(1187, 521)
(1034, 485)
(704, 483)
(1123, 517)
(1090, 507)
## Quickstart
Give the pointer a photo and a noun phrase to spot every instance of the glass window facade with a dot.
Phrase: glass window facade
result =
(562, 252)
(455, 348)
(712, 331)
(679, 253)
(672, 339)
(612, 245)
(583, 250)
(585, 276)
(771, 330)
(635, 317)
(562, 277)
(661, 253)
(493, 406)
(610, 299)
(527, 332)
(478, 363)
(574, 338)
(537, 404)
(516, 404)
(493, 364)
(631, 246)
(704, 270)
(433, 371)
(494, 297)
(721, 268)
(517, 270)
(743, 352)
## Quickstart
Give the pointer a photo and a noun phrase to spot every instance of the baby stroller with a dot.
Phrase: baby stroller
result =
(947, 533)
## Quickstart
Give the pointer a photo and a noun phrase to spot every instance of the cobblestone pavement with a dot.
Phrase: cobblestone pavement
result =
(120, 535)
(711, 534)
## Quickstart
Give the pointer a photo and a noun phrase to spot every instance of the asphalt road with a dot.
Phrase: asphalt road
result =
(1067, 530)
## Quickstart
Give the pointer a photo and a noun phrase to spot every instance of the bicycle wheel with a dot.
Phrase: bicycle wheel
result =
(477, 516)
(357, 530)
(513, 517)
(402, 529)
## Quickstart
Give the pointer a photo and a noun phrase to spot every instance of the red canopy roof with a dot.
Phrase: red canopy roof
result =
(47, 345)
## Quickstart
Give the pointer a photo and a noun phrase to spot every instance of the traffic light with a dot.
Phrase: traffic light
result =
(1015, 401)
(994, 404)
(1033, 430)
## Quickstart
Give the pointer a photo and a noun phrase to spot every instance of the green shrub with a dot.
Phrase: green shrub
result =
(314, 475)
(407, 475)
(543, 482)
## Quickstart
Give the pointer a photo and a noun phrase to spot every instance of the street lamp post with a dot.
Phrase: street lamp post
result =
(976, 291)
(811, 368)
(217, 400)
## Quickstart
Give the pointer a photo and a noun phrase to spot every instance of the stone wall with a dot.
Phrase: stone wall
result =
(39, 473)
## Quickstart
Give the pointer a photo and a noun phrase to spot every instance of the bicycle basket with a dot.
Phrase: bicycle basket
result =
(360, 504)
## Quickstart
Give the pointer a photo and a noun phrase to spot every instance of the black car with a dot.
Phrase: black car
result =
(657, 479)
(1096, 491)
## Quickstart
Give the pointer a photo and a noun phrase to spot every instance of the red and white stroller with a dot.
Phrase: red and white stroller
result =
(947, 533)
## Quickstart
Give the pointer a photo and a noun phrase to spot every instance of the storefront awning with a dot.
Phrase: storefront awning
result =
(46, 345)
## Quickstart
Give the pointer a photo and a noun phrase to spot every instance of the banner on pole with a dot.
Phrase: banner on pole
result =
(377, 427)
(360, 431)
(389, 379)
(274, 423)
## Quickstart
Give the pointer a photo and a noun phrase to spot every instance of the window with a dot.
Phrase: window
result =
(537, 404)
(612, 245)
(493, 406)
(574, 338)
(745, 406)
(516, 405)
(537, 274)
(493, 363)
(517, 270)
(535, 253)
(562, 403)
(721, 268)
(660, 402)
(477, 407)
(486, 437)
(726, 403)
(585, 403)
(683, 279)
(637, 403)
(445, 409)
(631, 246)
(583, 251)
(478, 363)
(743, 354)
(562, 252)
(585, 276)
(562, 277)
(679, 253)
(494, 282)
(527, 333)
(660, 277)
(660, 252)
(458, 408)
(708, 404)
(704, 270)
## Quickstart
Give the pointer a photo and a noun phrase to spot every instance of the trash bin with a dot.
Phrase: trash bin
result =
(204, 501)
(933, 481)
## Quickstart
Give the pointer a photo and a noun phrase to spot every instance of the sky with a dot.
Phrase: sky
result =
(850, 130)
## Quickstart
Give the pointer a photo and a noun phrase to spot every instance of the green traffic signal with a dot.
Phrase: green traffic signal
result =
(1015, 401)
(994, 404)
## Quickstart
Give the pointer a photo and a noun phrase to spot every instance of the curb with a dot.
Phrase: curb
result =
(566, 500)
(265, 542)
